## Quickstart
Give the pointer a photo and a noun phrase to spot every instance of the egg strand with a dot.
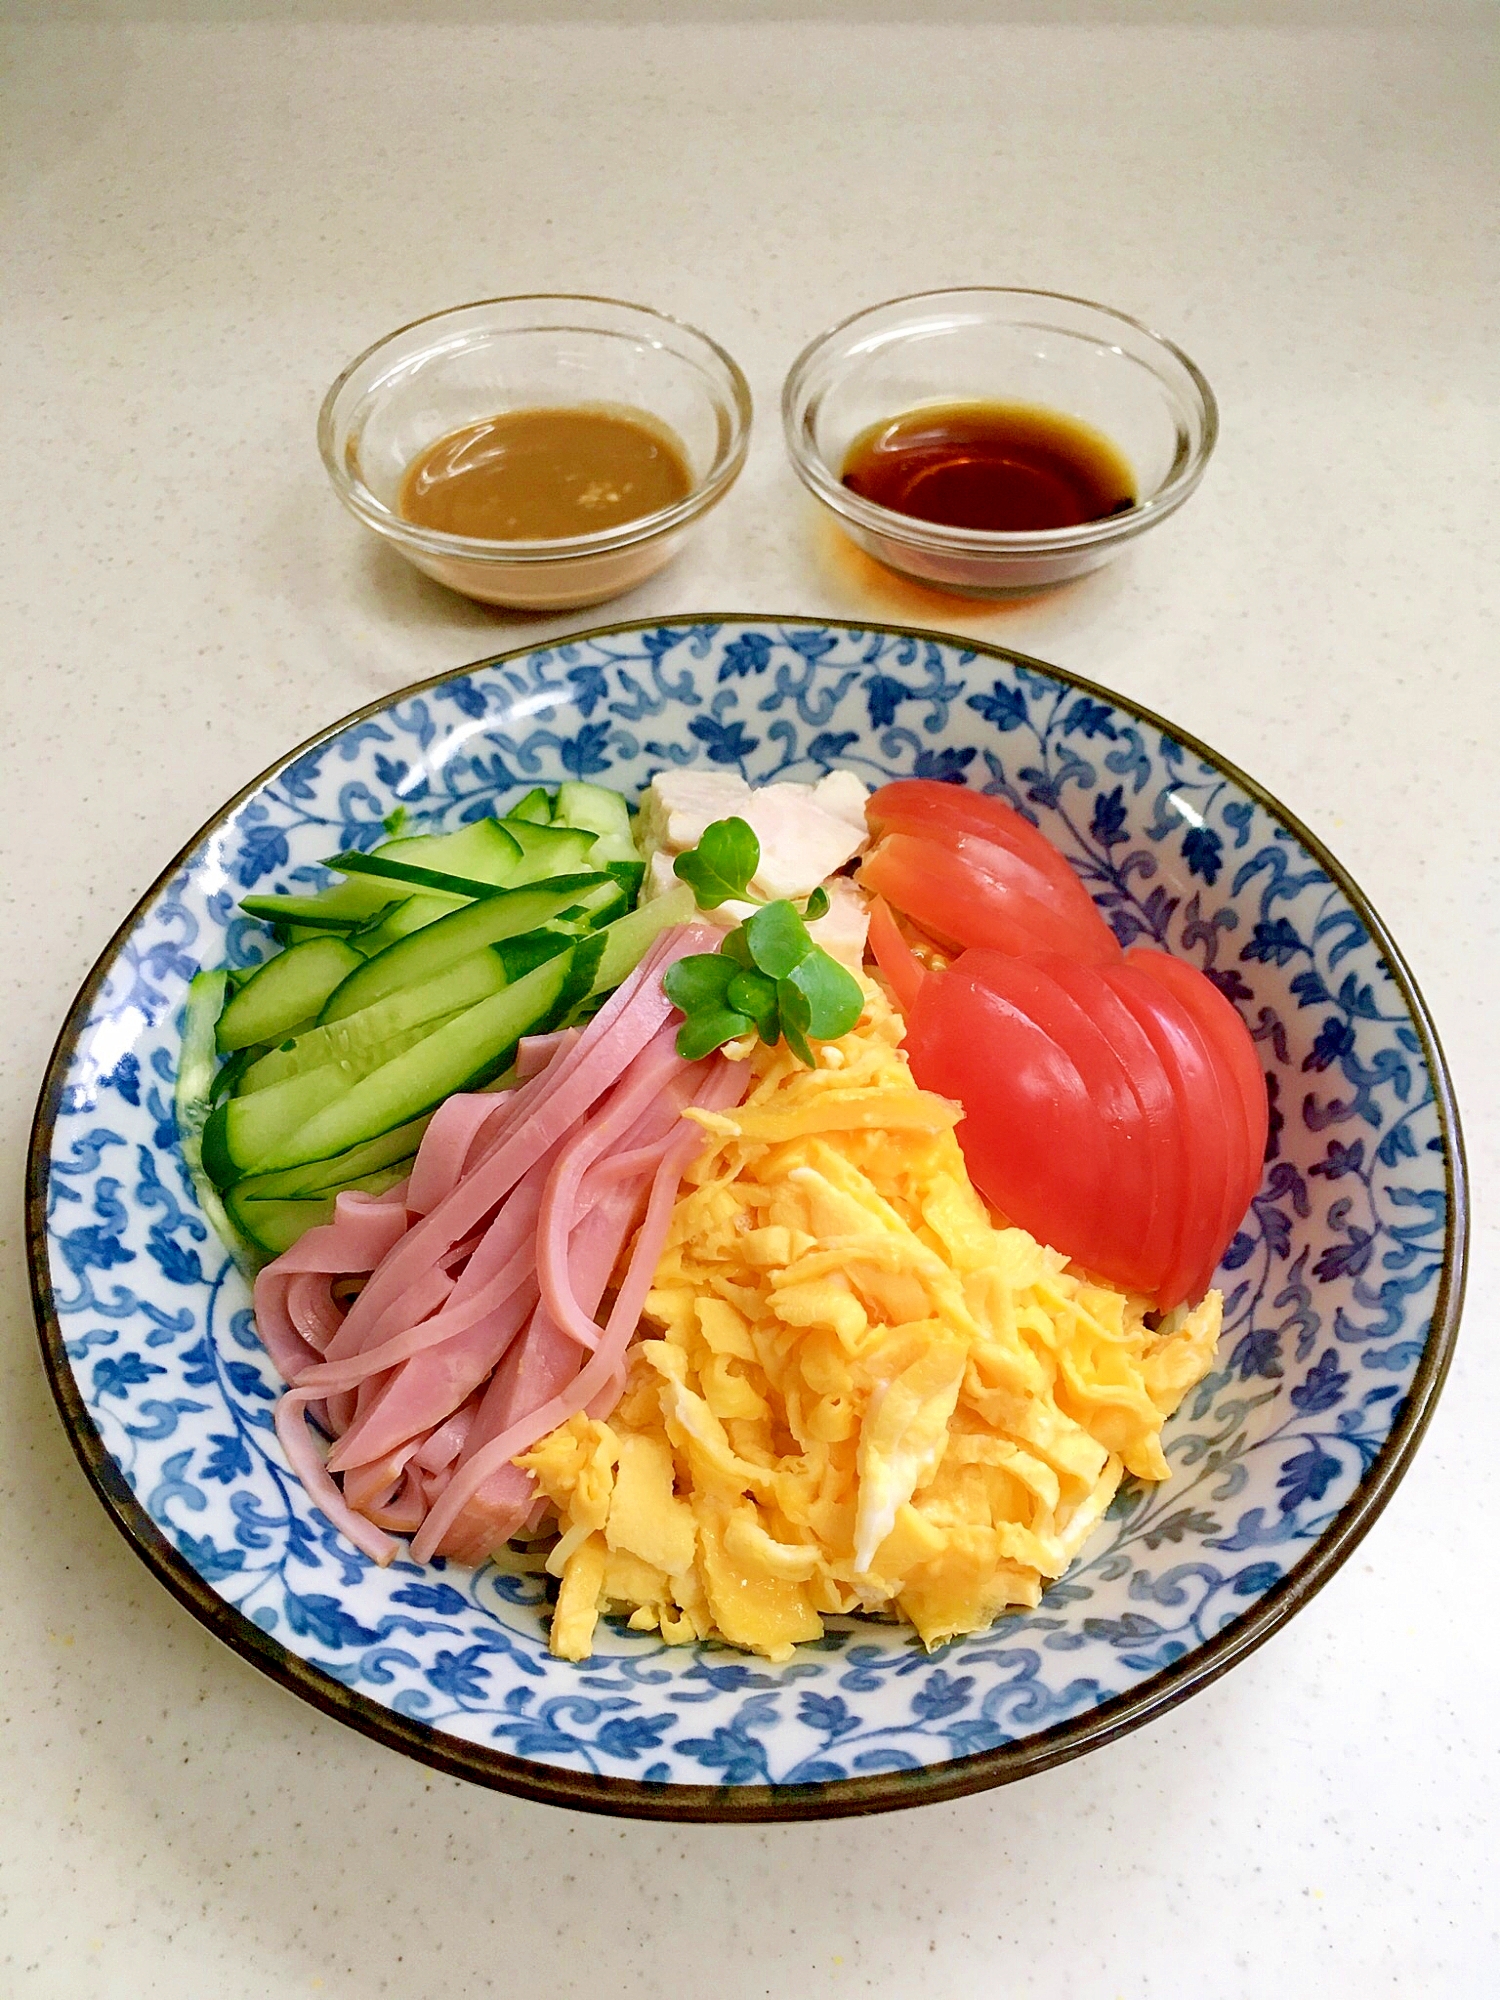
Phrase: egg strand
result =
(857, 1391)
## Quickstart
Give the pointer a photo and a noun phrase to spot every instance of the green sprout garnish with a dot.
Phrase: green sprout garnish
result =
(768, 976)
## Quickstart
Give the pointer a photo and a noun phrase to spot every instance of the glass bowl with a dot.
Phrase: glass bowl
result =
(985, 343)
(541, 351)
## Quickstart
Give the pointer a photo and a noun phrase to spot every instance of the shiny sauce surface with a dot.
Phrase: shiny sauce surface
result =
(545, 475)
(1007, 467)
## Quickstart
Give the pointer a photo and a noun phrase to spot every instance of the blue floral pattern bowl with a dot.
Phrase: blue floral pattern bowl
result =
(1342, 1289)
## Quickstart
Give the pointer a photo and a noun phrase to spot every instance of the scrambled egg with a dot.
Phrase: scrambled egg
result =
(862, 1394)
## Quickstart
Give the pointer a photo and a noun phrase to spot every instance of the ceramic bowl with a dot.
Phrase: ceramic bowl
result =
(1342, 1287)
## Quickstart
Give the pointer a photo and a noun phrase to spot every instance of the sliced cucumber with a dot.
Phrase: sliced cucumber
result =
(411, 874)
(432, 950)
(359, 1041)
(483, 851)
(412, 913)
(196, 1063)
(347, 1169)
(344, 906)
(602, 812)
(629, 875)
(627, 941)
(228, 1079)
(535, 807)
(550, 850)
(276, 1224)
(461, 1054)
(286, 992)
(519, 954)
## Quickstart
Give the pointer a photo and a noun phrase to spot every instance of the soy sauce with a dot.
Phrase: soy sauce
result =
(1008, 467)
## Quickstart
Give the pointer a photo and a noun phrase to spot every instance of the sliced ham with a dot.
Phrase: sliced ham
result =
(437, 1331)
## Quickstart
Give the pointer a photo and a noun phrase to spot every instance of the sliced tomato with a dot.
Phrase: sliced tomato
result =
(1210, 1121)
(1230, 1039)
(903, 971)
(946, 812)
(1053, 1133)
(1029, 1133)
(1166, 1136)
(974, 894)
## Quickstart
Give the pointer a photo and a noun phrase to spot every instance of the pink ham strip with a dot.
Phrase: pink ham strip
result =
(447, 1441)
(488, 1279)
(425, 1305)
(433, 1384)
(570, 1086)
(445, 1144)
(541, 1365)
(365, 1228)
(491, 1447)
(312, 1309)
(535, 1052)
(302, 1455)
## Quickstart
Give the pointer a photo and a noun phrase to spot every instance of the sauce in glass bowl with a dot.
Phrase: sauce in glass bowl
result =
(545, 475)
(1011, 468)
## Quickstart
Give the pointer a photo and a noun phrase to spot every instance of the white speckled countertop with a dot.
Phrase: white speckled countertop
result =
(204, 217)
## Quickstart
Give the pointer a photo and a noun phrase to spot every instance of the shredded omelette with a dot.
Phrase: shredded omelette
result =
(858, 1391)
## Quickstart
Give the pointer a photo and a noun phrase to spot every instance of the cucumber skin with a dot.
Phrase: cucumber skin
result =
(493, 919)
(343, 1170)
(351, 1040)
(309, 972)
(461, 1054)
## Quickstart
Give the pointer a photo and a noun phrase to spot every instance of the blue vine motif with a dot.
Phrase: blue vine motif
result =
(1329, 1285)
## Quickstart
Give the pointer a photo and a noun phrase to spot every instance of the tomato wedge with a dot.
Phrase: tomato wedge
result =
(1213, 1133)
(972, 893)
(1167, 1138)
(1053, 1132)
(942, 812)
(1230, 1039)
(903, 971)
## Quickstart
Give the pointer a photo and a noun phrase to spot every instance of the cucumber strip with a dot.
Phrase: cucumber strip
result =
(602, 812)
(274, 1225)
(520, 954)
(196, 1063)
(551, 850)
(629, 875)
(343, 906)
(359, 1041)
(412, 913)
(286, 992)
(228, 1079)
(409, 873)
(459, 1055)
(536, 807)
(483, 850)
(627, 941)
(433, 949)
(346, 1169)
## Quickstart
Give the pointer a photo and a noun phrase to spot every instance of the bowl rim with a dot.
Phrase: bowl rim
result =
(887, 1791)
(815, 473)
(362, 503)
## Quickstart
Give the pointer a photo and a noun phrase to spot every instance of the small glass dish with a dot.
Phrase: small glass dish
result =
(995, 344)
(542, 351)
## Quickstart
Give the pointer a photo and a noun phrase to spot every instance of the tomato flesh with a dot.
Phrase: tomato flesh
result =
(1230, 1038)
(902, 969)
(974, 894)
(1214, 1146)
(942, 812)
(1166, 1136)
(1052, 1131)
